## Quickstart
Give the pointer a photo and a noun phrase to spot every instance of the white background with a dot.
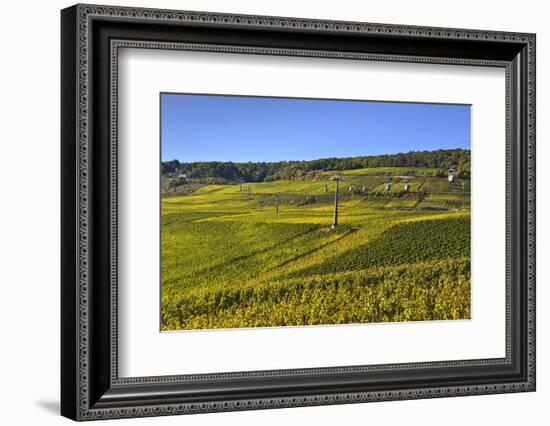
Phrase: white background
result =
(146, 352)
(29, 213)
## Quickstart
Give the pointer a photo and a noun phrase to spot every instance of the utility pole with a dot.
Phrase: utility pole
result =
(335, 223)
(277, 203)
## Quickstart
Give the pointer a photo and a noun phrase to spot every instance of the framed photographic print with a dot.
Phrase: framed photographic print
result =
(263, 212)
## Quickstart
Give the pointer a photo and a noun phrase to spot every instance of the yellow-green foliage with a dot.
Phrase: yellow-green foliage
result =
(229, 258)
(210, 254)
(445, 200)
(437, 290)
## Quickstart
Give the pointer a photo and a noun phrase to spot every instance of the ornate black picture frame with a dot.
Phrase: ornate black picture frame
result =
(91, 36)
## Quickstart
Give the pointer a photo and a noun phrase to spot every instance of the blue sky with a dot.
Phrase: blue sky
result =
(241, 128)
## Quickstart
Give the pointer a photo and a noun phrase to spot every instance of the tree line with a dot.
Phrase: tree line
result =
(225, 172)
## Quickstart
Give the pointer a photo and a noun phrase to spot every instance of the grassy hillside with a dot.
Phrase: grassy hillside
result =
(264, 253)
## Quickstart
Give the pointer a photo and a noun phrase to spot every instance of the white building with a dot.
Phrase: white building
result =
(452, 172)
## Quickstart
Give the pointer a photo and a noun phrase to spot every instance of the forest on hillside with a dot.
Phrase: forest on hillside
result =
(231, 172)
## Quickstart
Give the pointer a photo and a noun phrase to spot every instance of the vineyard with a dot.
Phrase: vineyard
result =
(437, 290)
(259, 254)
(407, 242)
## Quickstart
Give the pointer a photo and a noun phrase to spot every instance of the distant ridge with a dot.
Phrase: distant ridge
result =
(282, 170)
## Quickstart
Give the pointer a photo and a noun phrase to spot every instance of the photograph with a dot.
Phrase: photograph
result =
(298, 212)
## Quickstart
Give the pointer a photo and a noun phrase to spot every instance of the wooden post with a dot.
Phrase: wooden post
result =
(335, 223)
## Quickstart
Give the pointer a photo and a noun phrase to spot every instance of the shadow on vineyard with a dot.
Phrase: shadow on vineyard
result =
(404, 243)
